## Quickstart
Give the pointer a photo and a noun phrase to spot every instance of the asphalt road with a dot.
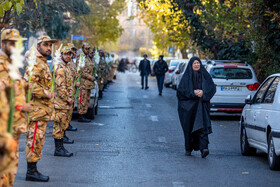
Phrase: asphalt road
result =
(136, 140)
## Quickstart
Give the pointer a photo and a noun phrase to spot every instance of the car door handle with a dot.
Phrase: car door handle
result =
(266, 116)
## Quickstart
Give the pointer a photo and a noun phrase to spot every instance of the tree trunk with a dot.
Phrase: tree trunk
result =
(184, 53)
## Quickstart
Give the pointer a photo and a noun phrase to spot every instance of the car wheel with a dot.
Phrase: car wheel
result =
(96, 109)
(246, 150)
(90, 113)
(273, 159)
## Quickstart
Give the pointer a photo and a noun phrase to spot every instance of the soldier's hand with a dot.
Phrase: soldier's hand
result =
(26, 107)
(78, 84)
(70, 101)
(49, 95)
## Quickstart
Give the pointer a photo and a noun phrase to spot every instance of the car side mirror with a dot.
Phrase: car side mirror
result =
(249, 100)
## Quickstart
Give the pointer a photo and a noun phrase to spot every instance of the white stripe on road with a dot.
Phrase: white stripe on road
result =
(162, 139)
(98, 124)
(154, 118)
(148, 105)
(138, 82)
(145, 96)
(178, 184)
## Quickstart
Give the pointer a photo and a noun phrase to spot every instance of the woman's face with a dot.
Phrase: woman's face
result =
(196, 65)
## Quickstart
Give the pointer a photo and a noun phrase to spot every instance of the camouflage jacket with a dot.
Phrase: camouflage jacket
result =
(20, 118)
(86, 73)
(73, 69)
(7, 143)
(63, 86)
(41, 80)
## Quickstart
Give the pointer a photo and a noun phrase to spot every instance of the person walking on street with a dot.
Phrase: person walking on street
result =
(42, 108)
(160, 68)
(194, 93)
(145, 70)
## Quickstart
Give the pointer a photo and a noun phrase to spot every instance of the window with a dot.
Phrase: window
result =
(181, 69)
(174, 63)
(231, 73)
(269, 97)
(262, 90)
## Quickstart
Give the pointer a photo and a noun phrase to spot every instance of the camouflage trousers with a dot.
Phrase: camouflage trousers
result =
(84, 101)
(7, 180)
(61, 122)
(35, 140)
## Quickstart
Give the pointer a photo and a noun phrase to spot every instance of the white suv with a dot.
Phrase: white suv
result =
(234, 82)
(260, 128)
(170, 72)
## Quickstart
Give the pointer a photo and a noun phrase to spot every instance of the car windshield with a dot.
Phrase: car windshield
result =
(174, 63)
(231, 73)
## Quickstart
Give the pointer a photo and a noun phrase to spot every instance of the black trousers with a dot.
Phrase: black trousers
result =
(196, 141)
(146, 81)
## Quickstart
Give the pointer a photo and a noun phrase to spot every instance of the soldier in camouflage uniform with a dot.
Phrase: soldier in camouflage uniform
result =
(63, 102)
(8, 146)
(42, 106)
(87, 83)
(101, 73)
(9, 38)
(74, 75)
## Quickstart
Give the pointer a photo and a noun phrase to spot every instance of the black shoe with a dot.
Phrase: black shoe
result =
(82, 118)
(142, 88)
(204, 153)
(67, 140)
(60, 150)
(70, 128)
(160, 94)
(33, 174)
(188, 153)
(147, 88)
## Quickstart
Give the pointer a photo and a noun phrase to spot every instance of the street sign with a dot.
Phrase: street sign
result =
(77, 37)
(171, 49)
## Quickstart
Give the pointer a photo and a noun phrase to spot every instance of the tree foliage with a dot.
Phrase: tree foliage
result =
(102, 24)
(168, 24)
(8, 9)
(49, 16)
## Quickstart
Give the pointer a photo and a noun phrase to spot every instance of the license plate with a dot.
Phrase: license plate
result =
(230, 88)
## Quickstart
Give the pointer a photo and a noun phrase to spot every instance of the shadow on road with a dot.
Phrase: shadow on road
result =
(225, 117)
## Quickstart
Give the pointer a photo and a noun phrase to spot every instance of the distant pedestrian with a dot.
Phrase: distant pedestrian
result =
(145, 70)
(194, 93)
(160, 68)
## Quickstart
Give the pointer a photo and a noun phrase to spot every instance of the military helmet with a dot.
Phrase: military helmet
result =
(11, 34)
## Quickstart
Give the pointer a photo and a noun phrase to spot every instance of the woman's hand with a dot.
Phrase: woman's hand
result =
(198, 93)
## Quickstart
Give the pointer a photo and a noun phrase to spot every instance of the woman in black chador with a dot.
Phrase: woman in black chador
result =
(194, 93)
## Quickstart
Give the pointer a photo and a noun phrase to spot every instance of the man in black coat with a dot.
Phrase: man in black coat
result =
(145, 70)
(160, 68)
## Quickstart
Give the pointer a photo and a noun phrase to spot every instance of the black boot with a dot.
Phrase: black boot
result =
(67, 140)
(60, 150)
(82, 118)
(33, 174)
(70, 128)
(204, 153)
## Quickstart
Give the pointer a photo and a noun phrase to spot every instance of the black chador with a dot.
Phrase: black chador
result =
(194, 111)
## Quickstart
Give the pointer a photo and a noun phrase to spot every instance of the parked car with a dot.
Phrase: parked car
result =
(181, 72)
(170, 72)
(234, 82)
(93, 106)
(260, 128)
(176, 73)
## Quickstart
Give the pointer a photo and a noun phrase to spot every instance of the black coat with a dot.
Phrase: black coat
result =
(145, 67)
(194, 112)
(160, 68)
